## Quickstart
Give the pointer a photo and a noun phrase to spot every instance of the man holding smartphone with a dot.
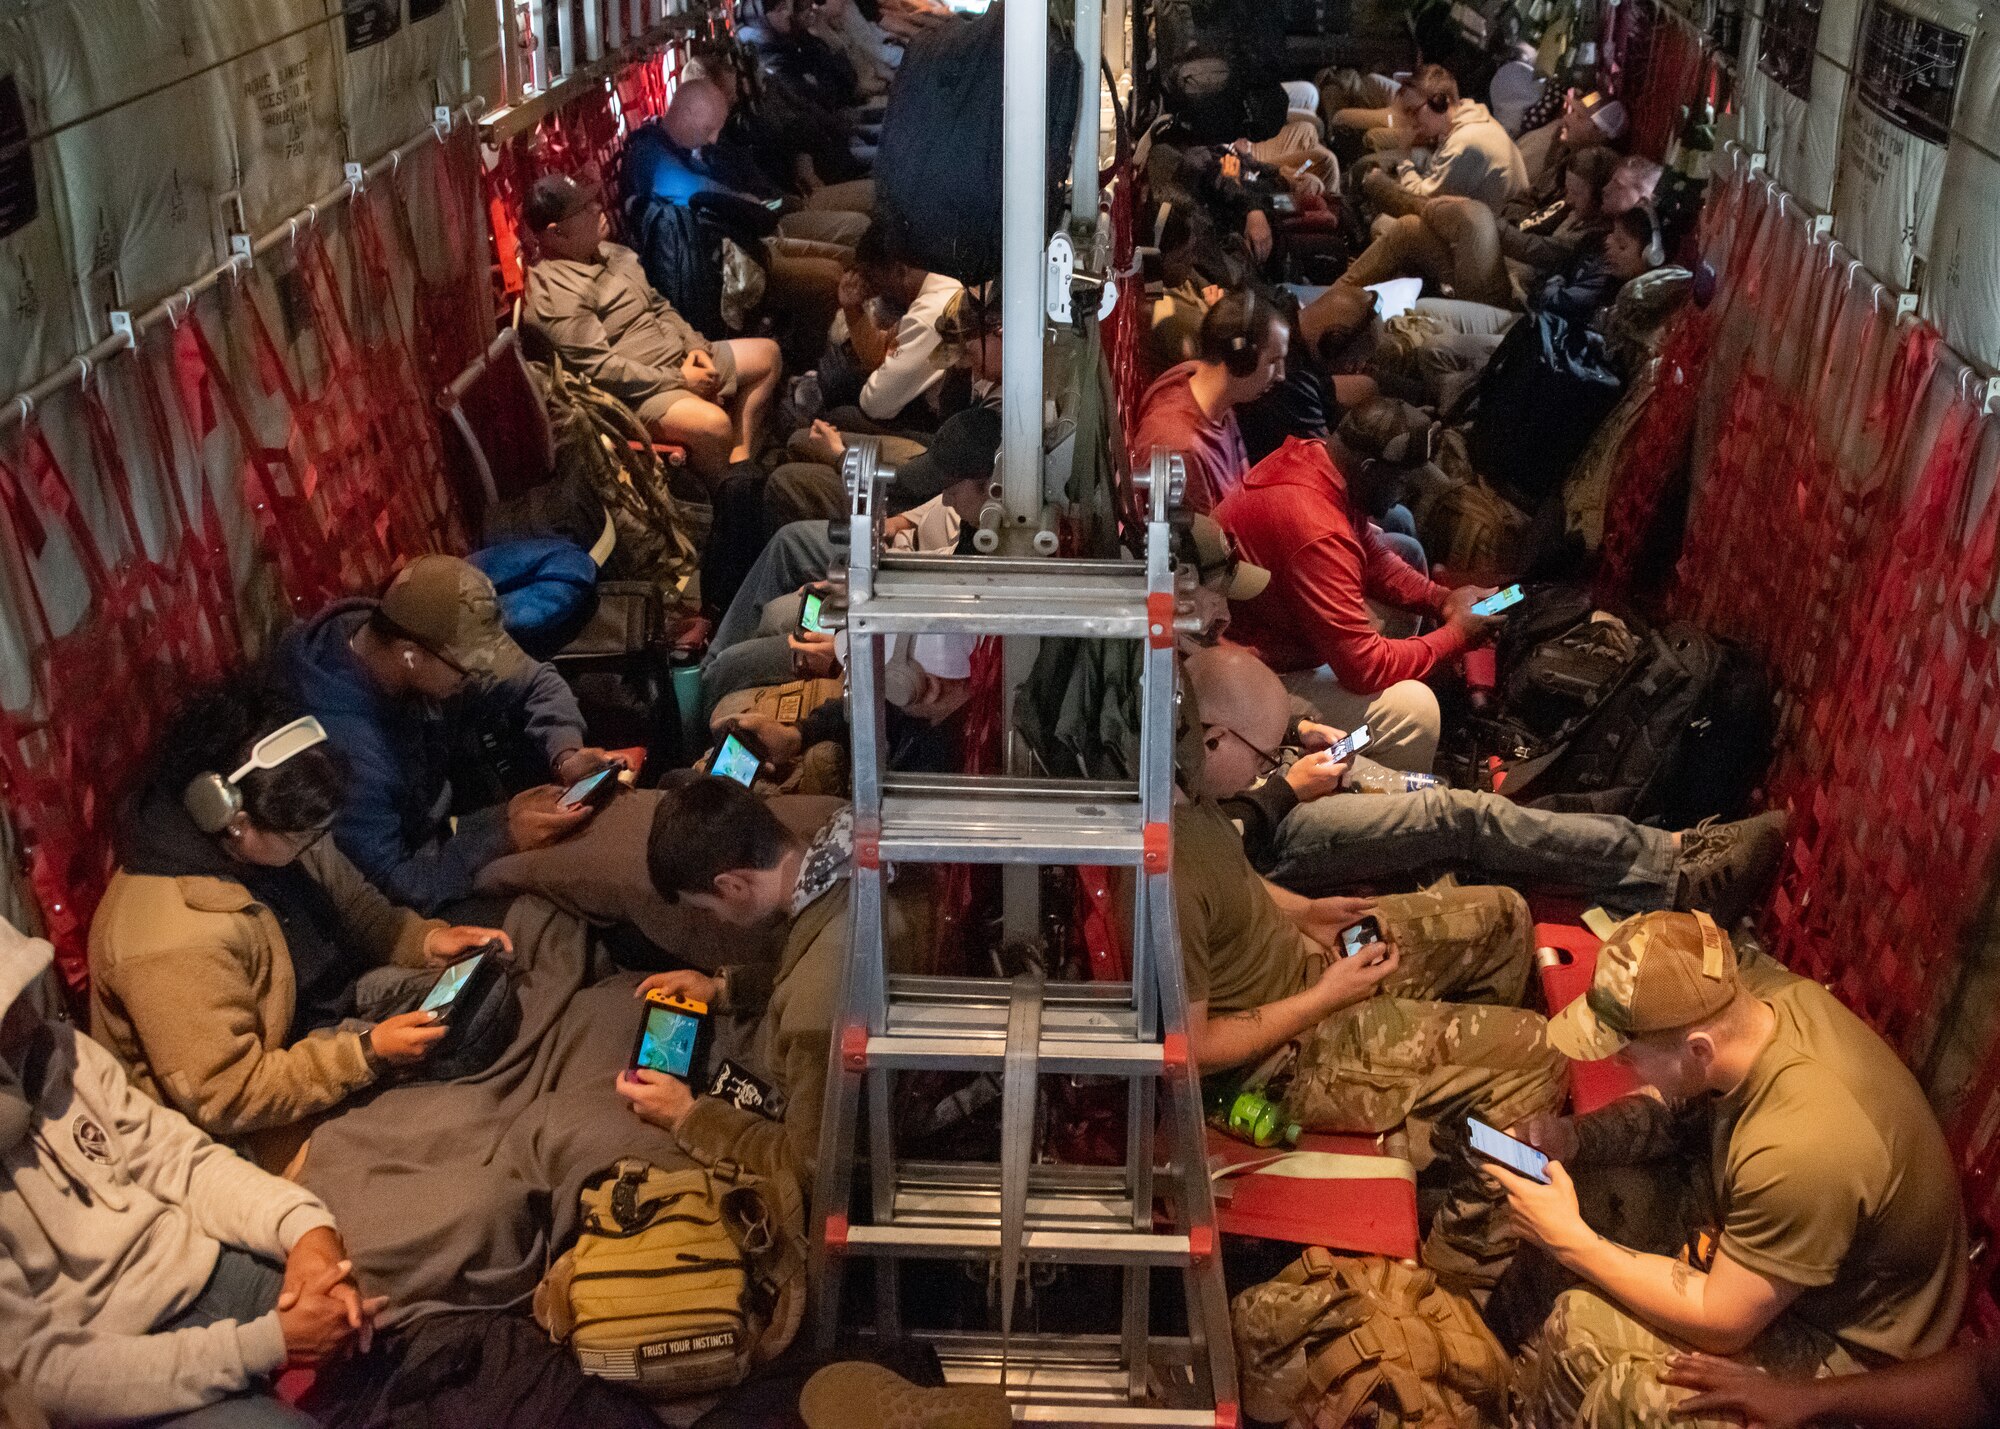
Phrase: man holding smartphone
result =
(1303, 514)
(1417, 1031)
(1838, 1238)
(1304, 828)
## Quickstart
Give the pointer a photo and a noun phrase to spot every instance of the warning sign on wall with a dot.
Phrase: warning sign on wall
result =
(1786, 45)
(1908, 71)
(1892, 149)
(369, 22)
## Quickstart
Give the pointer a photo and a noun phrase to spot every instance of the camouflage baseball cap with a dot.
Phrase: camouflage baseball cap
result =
(450, 608)
(1212, 552)
(1656, 972)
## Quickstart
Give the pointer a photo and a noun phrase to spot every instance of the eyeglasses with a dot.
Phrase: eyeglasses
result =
(311, 839)
(1212, 737)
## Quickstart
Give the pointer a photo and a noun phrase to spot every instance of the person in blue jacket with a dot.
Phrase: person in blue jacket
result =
(391, 679)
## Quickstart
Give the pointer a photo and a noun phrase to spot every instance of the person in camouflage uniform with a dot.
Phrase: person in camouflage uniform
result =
(1418, 1037)
(1826, 1234)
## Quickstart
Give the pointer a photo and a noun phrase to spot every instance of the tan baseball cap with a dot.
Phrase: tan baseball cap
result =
(1212, 552)
(449, 607)
(1656, 972)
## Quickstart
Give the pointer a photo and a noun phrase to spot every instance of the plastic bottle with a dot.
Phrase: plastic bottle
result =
(1374, 779)
(1247, 1115)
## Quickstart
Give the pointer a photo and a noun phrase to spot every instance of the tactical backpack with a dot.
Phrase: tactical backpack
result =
(660, 535)
(1368, 1342)
(680, 1282)
(1604, 715)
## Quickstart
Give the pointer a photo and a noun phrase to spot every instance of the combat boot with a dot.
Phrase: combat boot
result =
(1726, 869)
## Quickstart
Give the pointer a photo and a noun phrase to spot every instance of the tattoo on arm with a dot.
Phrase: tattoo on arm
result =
(1683, 1276)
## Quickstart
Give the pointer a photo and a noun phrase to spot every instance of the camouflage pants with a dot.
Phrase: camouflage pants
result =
(1595, 1367)
(1445, 1039)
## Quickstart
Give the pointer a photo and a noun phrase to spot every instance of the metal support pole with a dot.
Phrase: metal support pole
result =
(1089, 111)
(1115, 51)
(1024, 208)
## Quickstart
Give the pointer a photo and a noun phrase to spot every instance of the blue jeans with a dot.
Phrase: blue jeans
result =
(1399, 533)
(742, 656)
(242, 1287)
(1341, 840)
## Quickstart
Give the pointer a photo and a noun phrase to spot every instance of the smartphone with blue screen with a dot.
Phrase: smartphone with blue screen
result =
(1514, 1155)
(592, 789)
(1498, 601)
(735, 761)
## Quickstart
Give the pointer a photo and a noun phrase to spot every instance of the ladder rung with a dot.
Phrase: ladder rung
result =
(976, 1243)
(1107, 1414)
(944, 1023)
(962, 819)
(971, 1053)
(1003, 597)
(1067, 1379)
(955, 1194)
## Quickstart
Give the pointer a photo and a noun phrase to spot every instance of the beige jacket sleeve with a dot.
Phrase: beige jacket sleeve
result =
(195, 1011)
(382, 931)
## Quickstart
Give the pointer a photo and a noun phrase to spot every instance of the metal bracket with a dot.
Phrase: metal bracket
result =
(356, 176)
(1906, 305)
(1061, 273)
(1820, 227)
(121, 326)
(441, 121)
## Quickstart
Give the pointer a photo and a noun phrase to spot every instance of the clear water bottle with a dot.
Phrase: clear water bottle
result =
(1374, 779)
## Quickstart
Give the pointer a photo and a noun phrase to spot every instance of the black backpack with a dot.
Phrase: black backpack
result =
(1608, 716)
(939, 202)
(1541, 398)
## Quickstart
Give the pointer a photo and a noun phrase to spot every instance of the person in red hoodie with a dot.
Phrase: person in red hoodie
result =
(1303, 514)
(1191, 409)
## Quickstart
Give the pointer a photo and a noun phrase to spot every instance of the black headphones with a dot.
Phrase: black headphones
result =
(1244, 348)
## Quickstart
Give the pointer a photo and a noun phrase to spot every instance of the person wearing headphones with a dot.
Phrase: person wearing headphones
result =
(234, 960)
(1471, 156)
(148, 1275)
(1191, 409)
(1303, 514)
(1581, 293)
(393, 680)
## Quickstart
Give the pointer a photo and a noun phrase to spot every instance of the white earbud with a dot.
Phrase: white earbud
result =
(409, 659)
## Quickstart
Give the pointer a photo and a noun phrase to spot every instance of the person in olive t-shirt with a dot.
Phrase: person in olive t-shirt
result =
(1841, 1241)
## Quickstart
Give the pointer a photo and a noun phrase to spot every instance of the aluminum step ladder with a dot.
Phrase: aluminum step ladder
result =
(1155, 1212)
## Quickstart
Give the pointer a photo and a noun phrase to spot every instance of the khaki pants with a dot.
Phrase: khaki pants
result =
(1451, 241)
(1443, 1040)
(1595, 1367)
(1404, 722)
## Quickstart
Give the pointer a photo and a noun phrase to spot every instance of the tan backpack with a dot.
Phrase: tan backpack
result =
(680, 1282)
(1368, 1342)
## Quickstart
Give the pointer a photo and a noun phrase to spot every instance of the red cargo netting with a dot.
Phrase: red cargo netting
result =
(1832, 533)
(307, 373)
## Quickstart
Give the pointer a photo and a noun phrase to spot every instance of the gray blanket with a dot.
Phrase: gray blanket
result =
(451, 1195)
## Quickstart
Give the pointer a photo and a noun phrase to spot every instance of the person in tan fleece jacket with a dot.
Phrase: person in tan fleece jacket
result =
(234, 974)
